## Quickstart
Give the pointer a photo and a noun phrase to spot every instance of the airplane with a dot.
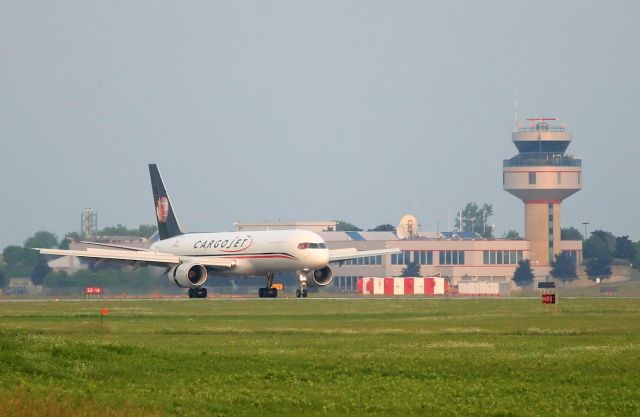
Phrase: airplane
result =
(189, 258)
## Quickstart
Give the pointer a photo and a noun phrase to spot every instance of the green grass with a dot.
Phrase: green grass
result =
(321, 357)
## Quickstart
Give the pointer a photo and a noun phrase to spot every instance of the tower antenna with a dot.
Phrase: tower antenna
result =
(515, 107)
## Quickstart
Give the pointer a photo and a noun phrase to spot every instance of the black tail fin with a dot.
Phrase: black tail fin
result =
(167, 223)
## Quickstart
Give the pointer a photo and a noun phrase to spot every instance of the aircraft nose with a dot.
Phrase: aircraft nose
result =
(323, 257)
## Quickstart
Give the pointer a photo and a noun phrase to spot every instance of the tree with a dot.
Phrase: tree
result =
(625, 249)
(19, 261)
(523, 276)
(117, 230)
(344, 226)
(512, 234)
(67, 239)
(73, 236)
(600, 244)
(3, 279)
(40, 271)
(146, 230)
(14, 254)
(564, 267)
(474, 219)
(412, 269)
(64, 243)
(599, 267)
(383, 228)
(636, 261)
(42, 239)
(570, 233)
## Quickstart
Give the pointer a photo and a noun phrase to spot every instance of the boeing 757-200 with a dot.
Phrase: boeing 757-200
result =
(189, 258)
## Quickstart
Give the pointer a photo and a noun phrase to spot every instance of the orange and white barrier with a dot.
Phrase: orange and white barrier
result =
(402, 286)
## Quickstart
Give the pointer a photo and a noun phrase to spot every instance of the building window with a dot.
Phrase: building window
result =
(501, 257)
(423, 257)
(532, 178)
(451, 257)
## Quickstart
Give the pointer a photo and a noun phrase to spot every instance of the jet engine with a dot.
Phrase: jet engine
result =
(188, 275)
(321, 277)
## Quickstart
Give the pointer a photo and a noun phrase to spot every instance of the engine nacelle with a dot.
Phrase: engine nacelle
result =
(188, 275)
(321, 277)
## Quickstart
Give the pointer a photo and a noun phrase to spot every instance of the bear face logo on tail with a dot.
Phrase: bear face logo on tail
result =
(162, 209)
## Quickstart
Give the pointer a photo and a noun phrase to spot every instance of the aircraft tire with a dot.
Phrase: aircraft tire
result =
(298, 293)
(304, 293)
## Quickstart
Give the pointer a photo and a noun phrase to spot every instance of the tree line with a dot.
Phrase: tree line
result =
(600, 251)
(23, 261)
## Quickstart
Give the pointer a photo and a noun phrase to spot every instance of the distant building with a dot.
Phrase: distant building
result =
(129, 241)
(21, 286)
(460, 259)
(319, 226)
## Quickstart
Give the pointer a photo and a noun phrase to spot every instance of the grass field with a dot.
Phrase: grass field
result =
(320, 357)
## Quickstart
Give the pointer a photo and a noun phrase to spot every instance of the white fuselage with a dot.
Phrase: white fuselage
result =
(254, 252)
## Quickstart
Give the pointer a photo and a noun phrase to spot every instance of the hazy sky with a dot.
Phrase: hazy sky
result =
(358, 110)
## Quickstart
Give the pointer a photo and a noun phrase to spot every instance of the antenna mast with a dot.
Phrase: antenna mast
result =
(515, 107)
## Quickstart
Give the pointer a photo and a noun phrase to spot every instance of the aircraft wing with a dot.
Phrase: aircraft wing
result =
(141, 256)
(110, 245)
(338, 255)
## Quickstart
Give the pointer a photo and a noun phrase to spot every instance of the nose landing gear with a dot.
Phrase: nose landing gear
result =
(302, 280)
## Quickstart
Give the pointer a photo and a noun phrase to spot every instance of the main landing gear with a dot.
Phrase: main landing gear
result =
(302, 280)
(268, 291)
(197, 292)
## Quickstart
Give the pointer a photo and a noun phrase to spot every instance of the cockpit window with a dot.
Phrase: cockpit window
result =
(310, 245)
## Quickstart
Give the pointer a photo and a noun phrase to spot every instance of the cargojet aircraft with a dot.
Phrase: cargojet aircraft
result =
(189, 258)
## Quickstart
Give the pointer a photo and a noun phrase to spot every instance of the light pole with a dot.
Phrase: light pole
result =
(585, 229)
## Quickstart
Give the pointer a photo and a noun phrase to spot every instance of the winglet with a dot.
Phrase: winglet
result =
(167, 222)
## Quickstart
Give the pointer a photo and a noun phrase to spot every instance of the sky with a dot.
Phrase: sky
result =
(282, 110)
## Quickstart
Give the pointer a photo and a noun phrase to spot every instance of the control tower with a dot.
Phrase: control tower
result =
(542, 175)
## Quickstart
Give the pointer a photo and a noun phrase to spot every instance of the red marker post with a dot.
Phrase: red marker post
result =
(103, 313)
